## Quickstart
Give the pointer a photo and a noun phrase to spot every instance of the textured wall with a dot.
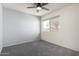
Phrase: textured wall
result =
(19, 27)
(68, 34)
(1, 34)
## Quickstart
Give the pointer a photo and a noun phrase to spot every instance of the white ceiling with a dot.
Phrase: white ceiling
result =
(22, 7)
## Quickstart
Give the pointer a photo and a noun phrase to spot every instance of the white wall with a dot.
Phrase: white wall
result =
(68, 35)
(1, 35)
(19, 27)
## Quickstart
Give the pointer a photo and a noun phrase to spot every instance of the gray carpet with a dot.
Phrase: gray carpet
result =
(38, 48)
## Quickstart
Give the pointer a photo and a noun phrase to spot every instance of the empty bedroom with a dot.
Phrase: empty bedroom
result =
(39, 29)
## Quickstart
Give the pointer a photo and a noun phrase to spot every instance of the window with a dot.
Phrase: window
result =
(51, 24)
(54, 25)
(46, 25)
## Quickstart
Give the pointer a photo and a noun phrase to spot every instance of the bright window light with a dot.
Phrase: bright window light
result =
(46, 25)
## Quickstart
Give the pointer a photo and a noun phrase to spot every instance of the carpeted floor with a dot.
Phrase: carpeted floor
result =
(38, 48)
